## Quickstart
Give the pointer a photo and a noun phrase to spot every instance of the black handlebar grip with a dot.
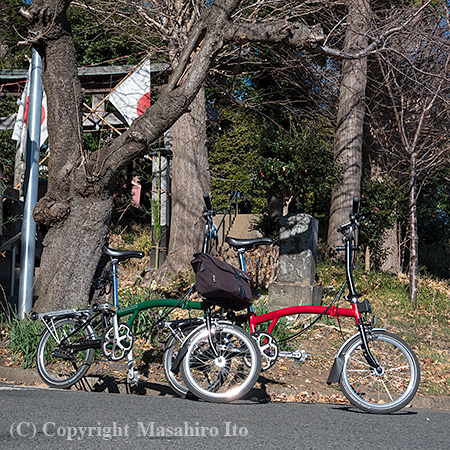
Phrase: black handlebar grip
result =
(207, 201)
(34, 315)
(355, 205)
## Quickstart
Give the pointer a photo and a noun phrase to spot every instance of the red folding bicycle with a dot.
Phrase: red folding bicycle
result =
(377, 371)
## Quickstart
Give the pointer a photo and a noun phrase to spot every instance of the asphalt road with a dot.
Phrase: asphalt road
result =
(38, 418)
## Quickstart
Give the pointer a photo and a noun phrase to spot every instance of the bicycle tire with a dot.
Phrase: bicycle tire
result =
(172, 346)
(224, 376)
(394, 387)
(61, 367)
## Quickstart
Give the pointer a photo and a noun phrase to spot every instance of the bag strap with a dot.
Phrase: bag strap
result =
(241, 288)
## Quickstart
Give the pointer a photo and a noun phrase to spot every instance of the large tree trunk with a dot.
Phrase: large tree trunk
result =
(76, 209)
(350, 120)
(72, 253)
(190, 178)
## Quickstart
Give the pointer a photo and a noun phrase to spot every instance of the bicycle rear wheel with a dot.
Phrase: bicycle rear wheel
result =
(172, 347)
(59, 363)
(393, 387)
(221, 367)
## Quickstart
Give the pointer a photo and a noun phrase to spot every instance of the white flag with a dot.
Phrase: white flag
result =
(20, 127)
(132, 96)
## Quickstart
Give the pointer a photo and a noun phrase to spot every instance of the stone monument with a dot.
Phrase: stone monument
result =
(297, 263)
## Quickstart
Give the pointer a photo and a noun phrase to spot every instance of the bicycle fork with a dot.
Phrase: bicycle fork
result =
(373, 363)
(336, 370)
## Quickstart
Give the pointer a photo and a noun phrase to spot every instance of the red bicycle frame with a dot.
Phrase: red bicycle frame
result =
(273, 316)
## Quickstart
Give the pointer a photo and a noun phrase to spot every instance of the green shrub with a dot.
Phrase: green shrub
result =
(24, 336)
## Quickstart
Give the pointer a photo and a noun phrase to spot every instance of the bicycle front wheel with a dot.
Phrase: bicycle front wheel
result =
(221, 365)
(388, 390)
(59, 362)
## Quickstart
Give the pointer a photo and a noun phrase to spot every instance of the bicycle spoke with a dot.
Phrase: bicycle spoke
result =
(387, 388)
(57, 362)
(231, 368)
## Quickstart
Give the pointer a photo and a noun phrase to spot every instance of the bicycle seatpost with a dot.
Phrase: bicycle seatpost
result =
(355, 208)
(115, 284)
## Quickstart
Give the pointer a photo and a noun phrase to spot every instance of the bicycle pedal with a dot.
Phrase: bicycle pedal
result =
(300, 355)
(136, 379)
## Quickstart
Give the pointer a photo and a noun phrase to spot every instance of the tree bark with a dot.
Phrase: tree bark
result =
(391, 246)
(350, 119)
(72, 253)
(74, 211)
(190, 178)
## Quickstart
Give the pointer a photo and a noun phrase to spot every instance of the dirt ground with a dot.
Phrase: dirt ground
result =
(287, 380)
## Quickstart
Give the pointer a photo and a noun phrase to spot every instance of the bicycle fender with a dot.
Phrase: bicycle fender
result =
(183, 349)
(336, 369)
(181, 354)
(335, 372)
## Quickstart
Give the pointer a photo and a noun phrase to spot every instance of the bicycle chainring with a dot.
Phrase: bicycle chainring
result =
(116, 350)
(268, 347)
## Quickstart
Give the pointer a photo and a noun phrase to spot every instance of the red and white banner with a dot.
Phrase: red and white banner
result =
(20, 126)
(132, 96)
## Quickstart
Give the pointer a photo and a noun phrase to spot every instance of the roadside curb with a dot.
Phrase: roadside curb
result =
(18, 375)
(442, 403)
(30, 377)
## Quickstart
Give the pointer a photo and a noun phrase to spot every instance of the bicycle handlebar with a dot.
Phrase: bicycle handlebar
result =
(355, 217)
(207, 201)
(341, 248)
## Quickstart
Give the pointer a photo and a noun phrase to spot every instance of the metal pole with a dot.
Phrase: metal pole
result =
(13, 268)
(32, 179)
(2, 189)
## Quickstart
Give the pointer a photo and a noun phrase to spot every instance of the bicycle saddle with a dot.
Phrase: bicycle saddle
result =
(248, 243)
(122, 254)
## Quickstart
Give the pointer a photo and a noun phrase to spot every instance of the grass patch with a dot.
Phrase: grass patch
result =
(23, 337)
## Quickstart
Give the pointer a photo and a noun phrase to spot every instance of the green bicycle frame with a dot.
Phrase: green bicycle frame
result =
(134, 310)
